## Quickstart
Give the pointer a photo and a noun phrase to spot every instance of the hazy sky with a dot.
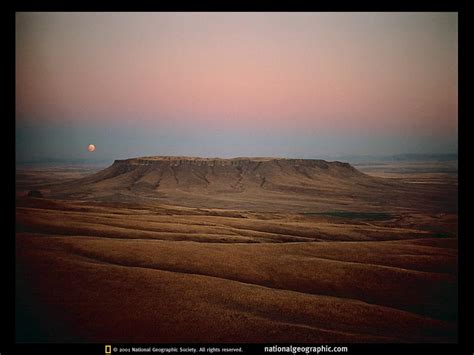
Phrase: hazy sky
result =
(233, 84)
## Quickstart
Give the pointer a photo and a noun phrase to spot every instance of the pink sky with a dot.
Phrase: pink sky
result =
(377, 72)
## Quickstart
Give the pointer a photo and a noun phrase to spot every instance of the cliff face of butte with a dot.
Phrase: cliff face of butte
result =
(149, 174)
(249, 183)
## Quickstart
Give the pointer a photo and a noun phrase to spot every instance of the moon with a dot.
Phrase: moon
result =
(91, 147)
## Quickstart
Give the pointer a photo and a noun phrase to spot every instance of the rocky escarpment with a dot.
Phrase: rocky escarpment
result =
(220, 175)
(249, 183)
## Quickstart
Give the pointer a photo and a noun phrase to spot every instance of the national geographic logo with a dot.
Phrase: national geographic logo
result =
(108, 349)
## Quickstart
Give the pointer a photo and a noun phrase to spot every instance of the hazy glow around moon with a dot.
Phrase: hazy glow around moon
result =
(91, 147)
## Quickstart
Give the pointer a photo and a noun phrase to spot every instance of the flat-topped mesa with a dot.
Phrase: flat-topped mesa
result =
(244, 168)
(187, 160)
(219, 175)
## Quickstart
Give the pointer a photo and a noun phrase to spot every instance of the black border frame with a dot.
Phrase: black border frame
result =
(465, 344)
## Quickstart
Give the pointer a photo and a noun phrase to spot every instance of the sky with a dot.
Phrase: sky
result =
(235, 84)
